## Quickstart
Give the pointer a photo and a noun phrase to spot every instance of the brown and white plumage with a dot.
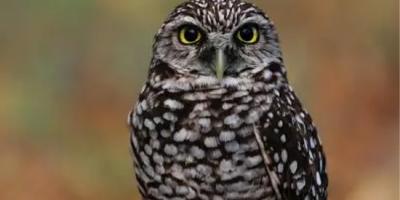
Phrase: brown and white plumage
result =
(244, 135)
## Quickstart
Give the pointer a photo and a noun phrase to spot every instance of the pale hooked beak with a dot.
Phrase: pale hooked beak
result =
(220, 63)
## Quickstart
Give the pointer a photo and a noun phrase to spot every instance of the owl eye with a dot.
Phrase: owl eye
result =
(248, 34)
(189, 34)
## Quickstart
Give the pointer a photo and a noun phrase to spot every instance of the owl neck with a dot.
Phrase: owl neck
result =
(162, 76)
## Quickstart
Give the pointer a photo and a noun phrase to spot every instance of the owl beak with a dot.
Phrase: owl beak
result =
(220, 64)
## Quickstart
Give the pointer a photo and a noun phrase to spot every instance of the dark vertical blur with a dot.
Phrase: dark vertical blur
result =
(70, 70)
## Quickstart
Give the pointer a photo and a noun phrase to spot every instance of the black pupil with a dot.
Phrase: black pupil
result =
(191, 34)
(246, 33)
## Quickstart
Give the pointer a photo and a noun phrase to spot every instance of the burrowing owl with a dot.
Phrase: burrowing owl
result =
(217, 118)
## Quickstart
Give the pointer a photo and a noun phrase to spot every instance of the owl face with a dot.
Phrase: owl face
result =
(217, 39)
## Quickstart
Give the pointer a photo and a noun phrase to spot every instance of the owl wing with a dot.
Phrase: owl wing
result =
(293, 154)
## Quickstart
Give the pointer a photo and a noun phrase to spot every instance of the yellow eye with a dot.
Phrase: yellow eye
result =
(189, 35)
(248, 34)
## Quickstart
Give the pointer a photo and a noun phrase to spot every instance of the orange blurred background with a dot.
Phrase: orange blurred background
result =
(70, 71)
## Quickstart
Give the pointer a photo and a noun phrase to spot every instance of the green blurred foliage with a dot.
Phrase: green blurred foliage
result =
(70, 70)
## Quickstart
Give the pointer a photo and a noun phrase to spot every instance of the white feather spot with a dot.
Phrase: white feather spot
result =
(164, 189)
(170, 117)
(252, 117)
(280, 124)
(210, 142)
(280, 167)
(173, 104)
(233, 120)
(312, 143)
(284, 155)
(149, 124)
(216, 154)
(170, 149)
(227, 106)
(318, 178)
(293, 167)
(276, 157)
(205, 122)
(232, 146)
(197, 152)
(283, 138)
(185, 134)
(157, 158)
(165, 133)
(226, 136)
(301, 183)
(253, 161)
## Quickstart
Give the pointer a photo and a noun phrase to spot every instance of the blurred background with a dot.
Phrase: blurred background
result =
(70, 71)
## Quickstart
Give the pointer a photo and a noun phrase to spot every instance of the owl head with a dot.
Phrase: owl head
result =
(218, 39)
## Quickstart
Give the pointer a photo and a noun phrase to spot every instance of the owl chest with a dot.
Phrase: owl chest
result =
(206, 141)
(215, 126)
(211, 120)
